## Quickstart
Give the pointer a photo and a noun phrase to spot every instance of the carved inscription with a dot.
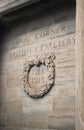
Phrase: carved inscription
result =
(51, 32)
(37, 88)
(43, 34)
(44, 47)
(37, 75)
(35, 83)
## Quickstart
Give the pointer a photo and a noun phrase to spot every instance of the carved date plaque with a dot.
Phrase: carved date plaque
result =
(39, 74)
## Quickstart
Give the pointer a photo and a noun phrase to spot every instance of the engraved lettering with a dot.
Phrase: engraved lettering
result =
(19, 53)
(38, 80)
(24, 40)
(50, 32)
(45, 47)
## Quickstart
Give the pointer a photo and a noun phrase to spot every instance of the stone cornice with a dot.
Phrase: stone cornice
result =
(17, 4)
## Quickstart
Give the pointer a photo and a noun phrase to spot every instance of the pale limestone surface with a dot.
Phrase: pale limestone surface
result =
(6, 2)
(80, 65)
(42, 35)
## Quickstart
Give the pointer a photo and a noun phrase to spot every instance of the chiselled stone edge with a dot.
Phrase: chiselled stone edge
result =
(16, 5)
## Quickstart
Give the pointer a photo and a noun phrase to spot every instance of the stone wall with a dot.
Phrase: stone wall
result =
(50, 33)
(5, 2)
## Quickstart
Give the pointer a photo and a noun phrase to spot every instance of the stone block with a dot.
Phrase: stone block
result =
(2, 120)
(61, 122)
(27, 121)
(64, 105)
(14, 105)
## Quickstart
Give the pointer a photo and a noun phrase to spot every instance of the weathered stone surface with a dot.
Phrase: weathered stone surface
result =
(6, 6)
(14, 105)
(27, 120)
(2, 128)
(10, 128)
(61, 122)
(46, 34)
(45, 77)
(2, 119)
(5, 2)
(64, 105)
(80, 65)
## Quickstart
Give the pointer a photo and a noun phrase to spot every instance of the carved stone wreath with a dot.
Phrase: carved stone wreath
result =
(46, 60)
